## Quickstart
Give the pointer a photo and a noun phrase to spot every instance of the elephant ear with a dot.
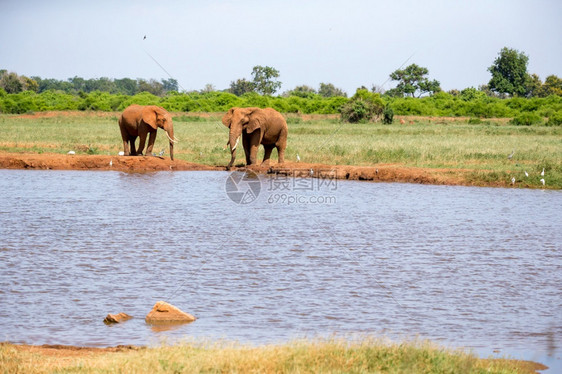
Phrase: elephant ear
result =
(149, 117)
(227, 118)
(257, 120)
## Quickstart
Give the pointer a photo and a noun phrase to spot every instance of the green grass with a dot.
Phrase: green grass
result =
(327, 356)
(481, 149)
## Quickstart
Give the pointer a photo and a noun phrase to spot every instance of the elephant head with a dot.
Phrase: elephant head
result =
(157, 117)
(239, 120)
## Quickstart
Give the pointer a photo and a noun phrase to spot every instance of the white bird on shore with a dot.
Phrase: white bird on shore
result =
(311, 172)
(513, 180)
(121, 153)
(298, 158)
(526, 174)
(542, 181)
(111, 163)
(542, 173)
(71, 153)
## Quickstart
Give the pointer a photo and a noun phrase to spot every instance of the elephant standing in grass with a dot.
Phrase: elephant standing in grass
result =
(256, 126)
(139, 121)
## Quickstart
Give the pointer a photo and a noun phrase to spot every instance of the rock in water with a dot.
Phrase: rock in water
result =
(117, 318)
(162, 312)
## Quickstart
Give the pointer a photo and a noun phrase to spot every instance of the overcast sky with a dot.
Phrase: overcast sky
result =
(345, 42)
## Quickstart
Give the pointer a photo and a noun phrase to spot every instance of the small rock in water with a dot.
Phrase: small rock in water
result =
(163, 312)
(117, 318)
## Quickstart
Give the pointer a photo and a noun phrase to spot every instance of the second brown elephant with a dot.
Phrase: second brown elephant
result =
(256, 126)
(140, 121)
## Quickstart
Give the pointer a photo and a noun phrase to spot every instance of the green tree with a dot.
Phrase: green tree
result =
(534, 85)
(329, 90)
(11, 83)
(264, 79)
(126, 86)
(14, 83)
(302, 91)
(29, 84)
(170, 84)
(240, 87)
(412, 80)
(509, 73)
(208, 89)
(552, 86)
(154, 87)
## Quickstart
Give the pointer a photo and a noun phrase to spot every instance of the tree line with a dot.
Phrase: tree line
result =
(511, 92)
(509, 79)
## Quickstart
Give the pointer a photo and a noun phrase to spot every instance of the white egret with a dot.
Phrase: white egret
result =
(298, 158)
(71, 153)
(542, 181)
(311, 172)
(542, 173)
(526, 174)
(513, 180)
(111, 163)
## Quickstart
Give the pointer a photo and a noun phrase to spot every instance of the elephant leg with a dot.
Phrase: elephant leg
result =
(253, 147)
(254, 154)
(125, 137)
(267, 154)
(126, 150)
(132, 140)
(151, 140)
(142, 142)
(281, 154)
(246, 145)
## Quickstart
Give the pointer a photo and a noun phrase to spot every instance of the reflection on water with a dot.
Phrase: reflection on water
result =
(473, 267)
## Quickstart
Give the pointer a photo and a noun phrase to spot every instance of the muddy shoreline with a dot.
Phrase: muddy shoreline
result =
(62, 353)
(380, 172)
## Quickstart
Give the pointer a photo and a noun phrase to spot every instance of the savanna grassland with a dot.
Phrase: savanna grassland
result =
(476, 152)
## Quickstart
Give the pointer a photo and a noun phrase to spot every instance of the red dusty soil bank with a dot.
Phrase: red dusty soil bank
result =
(381, 172)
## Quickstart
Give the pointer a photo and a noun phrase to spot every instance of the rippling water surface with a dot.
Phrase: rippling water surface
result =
(471, 267)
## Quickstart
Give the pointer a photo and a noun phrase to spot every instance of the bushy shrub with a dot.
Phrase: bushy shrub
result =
(143, 98)
(471, 93)
(364, 106)
(410, 107)
(388, 115)
(526, 119)
(555, 119)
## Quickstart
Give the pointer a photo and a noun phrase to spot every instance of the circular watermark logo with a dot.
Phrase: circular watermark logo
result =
(243, 187)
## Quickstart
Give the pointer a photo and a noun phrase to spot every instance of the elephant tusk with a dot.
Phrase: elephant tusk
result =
(236, 145)
(172, 140)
